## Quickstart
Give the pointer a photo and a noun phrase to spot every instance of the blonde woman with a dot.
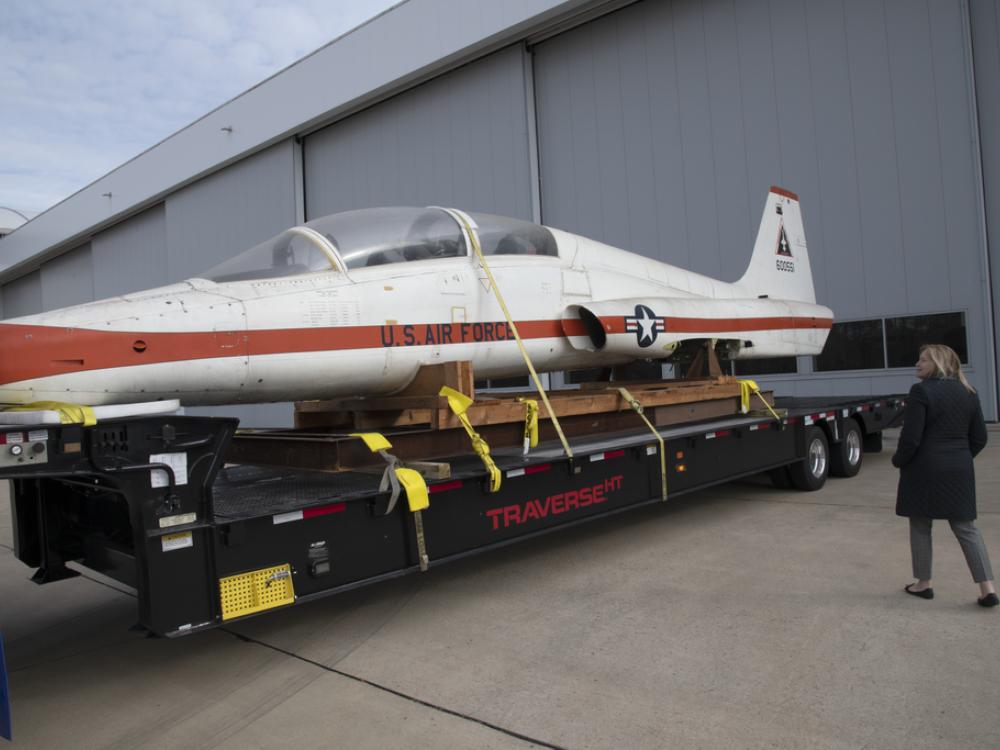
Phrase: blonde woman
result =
(943, 430)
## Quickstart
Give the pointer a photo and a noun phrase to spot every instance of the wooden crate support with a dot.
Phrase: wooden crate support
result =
(420, 406)
(421, 427)
(417, 404)
(316, 449)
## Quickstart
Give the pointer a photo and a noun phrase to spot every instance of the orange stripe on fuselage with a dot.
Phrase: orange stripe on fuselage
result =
(616, 324)
(29, 351)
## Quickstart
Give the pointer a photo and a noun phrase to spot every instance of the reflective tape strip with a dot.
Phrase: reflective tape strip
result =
(444, 486)
(299, 515)
(537, 469)
(607, 454)
(324, 510)
(720, 433)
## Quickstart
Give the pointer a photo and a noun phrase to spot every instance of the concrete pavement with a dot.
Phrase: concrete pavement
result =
(738, 617)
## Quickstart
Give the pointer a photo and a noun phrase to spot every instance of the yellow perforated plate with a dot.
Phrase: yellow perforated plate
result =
(256, 591)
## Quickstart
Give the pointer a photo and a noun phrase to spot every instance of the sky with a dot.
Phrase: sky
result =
(85, 85)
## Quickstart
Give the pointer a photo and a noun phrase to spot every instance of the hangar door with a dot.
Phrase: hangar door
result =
(458, 140)
(661, 127)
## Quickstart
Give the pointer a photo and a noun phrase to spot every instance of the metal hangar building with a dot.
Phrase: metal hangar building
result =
(656, 126)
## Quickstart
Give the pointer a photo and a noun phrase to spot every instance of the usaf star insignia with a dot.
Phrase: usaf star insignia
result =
(645, 324)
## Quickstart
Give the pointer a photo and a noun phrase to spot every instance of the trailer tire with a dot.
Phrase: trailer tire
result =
(845, 457)
(873, 442)
(810, 473)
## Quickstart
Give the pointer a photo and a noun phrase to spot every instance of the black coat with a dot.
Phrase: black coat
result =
(943, 429)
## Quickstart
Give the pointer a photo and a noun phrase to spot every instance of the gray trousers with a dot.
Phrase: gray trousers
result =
(968, 536)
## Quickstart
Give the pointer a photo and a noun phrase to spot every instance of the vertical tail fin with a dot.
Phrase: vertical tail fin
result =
(779, 266)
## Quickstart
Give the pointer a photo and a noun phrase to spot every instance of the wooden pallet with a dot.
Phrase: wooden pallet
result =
(665, 401)
(421, 426)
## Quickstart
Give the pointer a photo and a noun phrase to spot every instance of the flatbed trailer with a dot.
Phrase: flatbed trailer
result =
(151, 502)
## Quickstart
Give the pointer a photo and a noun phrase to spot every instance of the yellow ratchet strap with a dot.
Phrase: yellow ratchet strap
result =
(637, 407)
(419, 499)
(474, 237)
(747, 387)
(401, 478)
(459, 403)
(417, 495)
(530, 423)
(68, 413)
(377, 443)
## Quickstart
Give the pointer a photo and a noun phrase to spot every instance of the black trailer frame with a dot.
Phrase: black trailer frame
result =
(149, 502)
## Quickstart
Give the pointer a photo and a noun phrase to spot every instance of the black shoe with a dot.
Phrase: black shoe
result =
(990, 600)
(926, 593)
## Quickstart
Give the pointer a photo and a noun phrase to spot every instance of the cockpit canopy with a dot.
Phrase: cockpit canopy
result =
(378, 236)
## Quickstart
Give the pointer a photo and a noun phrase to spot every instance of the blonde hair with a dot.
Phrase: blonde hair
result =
(947, 365)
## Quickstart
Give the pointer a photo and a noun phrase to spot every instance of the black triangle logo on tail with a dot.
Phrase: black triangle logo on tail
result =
(784, 246)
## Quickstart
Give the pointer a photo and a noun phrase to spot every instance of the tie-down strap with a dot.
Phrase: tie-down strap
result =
(637, 407)
(748, 388)
(396, 476)
(459, 404)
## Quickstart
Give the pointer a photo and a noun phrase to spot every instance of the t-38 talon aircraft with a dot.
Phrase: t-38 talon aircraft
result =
(355, 303)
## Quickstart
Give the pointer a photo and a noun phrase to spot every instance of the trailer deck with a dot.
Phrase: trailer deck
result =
(151, 501)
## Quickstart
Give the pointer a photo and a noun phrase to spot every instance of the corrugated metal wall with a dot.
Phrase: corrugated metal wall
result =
(229, 211)
(23, 296)
(131, 256)
(458, 140)
(68, 279)
(661, 126)
(985, 31)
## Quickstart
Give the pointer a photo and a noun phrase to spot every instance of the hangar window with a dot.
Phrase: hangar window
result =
(768, 366)
(854, 345)
(500, 235)
(904, 336)
(891, 342)
(376, 236)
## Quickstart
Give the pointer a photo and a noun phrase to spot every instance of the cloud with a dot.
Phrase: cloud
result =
(84, 87)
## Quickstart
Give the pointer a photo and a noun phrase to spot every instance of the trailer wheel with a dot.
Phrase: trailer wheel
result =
(810, 473)
(845, 458)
